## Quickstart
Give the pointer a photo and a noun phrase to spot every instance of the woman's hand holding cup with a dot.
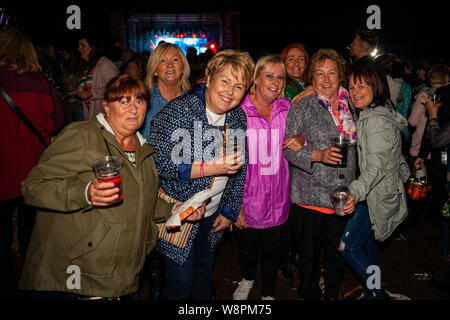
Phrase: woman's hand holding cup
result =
(331, 156)
(103, 194)
(350, 207)
(225, 164)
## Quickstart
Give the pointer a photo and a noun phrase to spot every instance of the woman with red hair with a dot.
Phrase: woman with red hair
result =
(295, 58)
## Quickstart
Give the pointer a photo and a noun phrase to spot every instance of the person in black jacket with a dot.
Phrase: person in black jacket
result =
(364, 43)
(435, 140)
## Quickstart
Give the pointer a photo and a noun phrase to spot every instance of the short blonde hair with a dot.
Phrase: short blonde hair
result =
(320, 56)
(263, 64)
(439, 74)
(17, 52)
(239, 61)
(155, 59)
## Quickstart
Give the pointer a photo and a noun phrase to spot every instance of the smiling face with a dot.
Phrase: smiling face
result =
(224, 91)
(360, 92)
(270, 82)
(295, 63)
(126, 115)
(326, 79)
(170, 67)
(84, 48)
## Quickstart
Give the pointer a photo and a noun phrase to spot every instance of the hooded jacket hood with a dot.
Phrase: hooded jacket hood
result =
(383, 112)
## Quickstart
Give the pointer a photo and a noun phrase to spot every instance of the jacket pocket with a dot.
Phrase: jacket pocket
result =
(387, 209)
(95, 251)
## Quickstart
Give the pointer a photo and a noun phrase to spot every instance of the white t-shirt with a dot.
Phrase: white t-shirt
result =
(220, 182)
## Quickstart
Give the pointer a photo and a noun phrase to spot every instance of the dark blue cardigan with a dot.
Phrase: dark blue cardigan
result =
(183, 121)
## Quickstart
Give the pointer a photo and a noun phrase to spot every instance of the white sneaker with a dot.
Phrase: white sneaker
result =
(268, 298)
(242, 291)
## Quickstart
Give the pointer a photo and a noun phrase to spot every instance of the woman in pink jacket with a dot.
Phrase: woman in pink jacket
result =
(266, 200)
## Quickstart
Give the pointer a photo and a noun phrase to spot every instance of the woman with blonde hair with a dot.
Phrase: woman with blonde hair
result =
(265, 206)
(210, 112)
(33, 94)
(167, 77)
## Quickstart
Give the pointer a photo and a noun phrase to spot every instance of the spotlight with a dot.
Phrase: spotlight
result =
(374, 52)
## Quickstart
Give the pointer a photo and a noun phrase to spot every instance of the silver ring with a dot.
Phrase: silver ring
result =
(231, 167)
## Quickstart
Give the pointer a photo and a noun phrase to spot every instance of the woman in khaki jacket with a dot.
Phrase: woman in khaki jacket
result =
(87, 242)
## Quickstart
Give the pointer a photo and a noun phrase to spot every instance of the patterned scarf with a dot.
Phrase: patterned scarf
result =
(347, 125)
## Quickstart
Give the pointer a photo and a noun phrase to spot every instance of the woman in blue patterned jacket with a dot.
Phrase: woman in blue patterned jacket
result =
(189, 136)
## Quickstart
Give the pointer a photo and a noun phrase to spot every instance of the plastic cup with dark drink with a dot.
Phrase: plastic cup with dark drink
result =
(109, 169)
(341, 142)
(339, 197)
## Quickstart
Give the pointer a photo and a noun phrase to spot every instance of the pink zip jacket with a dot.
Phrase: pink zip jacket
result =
(266, 194)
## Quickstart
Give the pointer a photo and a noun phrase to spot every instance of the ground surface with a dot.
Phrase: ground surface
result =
(413, 249)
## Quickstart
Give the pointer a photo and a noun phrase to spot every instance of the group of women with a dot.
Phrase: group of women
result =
(239, 136)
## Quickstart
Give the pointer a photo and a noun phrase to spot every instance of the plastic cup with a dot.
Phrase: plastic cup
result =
(341, 141)
(339, 198)
(109, 169)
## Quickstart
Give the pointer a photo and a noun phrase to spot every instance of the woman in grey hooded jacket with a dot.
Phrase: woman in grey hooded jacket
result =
(379, 194)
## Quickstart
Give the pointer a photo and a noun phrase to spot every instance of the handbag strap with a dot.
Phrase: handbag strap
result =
(22, 116)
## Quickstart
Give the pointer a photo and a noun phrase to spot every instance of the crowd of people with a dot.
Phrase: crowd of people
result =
(254, 131)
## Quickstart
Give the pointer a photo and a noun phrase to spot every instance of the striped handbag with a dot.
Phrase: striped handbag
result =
(179, 236)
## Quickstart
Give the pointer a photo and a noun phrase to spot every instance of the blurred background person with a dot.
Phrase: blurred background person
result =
(167, 77)
(438, 107)
(314, 173)
(135, 69)
(436, 170)
(361, 49)
(420, 79)
(194, 65)
(126, 55)
(50, 66)
(98, 70)
(71, 76)
(439, 136)
(399, 89)
(296, 59)
(210, 110)
(33, 94)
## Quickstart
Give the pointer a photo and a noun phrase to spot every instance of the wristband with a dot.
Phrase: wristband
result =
(202, 170)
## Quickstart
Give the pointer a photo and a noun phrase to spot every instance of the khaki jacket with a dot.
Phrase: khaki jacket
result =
(107, 244)
(383, 169)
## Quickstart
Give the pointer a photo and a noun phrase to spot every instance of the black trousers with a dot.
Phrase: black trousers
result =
(317, 232)
(288, 243)
(26, 219)
(250, 242)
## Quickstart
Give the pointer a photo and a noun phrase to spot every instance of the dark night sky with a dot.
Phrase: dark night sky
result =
(412, 31)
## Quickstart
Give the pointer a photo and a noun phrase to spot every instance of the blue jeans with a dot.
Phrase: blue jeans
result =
(360, 248)
(193, 279)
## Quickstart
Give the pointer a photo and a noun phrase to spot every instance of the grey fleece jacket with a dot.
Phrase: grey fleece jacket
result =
(312, 182)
